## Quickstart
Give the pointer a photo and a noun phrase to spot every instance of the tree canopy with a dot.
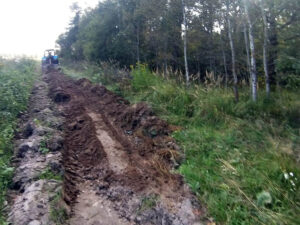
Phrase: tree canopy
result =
(151, 31)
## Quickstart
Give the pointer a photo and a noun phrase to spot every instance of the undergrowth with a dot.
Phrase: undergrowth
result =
(240, 158)
(16, 80)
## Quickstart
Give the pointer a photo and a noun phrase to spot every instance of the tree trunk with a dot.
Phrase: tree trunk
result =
(225, 62)
(235, 79)
(185, 45)
(211, 12)
(138, 43)
(165, 55)
(247, 50)
(252, 49)
(265, 48)
(273, 41)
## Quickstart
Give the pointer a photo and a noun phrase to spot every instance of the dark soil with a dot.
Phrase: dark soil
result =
(122, 153)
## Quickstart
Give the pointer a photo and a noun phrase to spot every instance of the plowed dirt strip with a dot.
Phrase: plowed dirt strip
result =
(117, 160)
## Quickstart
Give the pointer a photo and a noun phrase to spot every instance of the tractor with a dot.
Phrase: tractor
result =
(50, 58)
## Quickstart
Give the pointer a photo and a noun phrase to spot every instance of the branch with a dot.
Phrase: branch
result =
(291, 21)
(292, 37)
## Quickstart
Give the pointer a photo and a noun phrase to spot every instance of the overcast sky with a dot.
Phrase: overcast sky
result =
(31, 26)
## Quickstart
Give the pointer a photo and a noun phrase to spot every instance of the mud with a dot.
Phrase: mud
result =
(119, 160)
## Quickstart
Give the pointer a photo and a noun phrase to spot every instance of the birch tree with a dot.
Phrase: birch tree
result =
(252, 49)
(265, 47)
(185, 43)
(247, 49)
(235, 79)
(225, 62)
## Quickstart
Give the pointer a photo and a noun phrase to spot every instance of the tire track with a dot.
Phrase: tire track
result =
(118, 160)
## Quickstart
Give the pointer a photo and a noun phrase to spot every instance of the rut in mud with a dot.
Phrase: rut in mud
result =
(117, 160)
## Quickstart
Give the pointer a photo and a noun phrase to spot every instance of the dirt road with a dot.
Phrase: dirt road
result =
(117, 160)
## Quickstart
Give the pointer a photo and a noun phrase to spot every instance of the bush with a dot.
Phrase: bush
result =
(290, 81)
(142, 79)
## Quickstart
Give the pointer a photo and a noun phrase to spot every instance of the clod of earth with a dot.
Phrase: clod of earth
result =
(61, 97)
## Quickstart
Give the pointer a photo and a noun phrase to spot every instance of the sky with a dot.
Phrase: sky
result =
(28, 27)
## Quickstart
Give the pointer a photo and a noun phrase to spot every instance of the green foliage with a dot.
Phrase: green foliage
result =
(16, 80)
(152, 87)
(142, 78)
(43, 147)
(48, 174)
(290, 81)
(149, 31)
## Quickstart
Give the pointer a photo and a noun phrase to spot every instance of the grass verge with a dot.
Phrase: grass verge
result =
(16, 80)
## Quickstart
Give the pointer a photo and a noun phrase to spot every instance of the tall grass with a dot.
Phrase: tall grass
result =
(16, 79)
(240, 158)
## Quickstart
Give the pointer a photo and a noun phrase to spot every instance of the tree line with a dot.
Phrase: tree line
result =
(256, 41)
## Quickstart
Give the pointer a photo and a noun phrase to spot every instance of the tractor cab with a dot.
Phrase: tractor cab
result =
(50, 57)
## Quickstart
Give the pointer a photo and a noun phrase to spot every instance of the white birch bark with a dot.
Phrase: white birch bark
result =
(225, 62)
(265, 48)
(235, 79)
(247, 49)
(252, 49)
(187, 77)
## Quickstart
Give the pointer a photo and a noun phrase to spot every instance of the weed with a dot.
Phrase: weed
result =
(43, 147)
(48, 174)
(58, 213)
(148, 202)
(37, 122)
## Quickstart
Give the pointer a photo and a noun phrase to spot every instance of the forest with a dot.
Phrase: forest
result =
(236, 41)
